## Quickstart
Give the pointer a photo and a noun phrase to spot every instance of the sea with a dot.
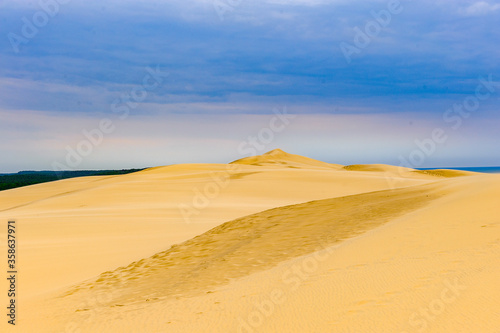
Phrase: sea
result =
(474, 169)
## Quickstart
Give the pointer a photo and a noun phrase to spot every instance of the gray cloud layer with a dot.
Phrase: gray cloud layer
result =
(261, 54)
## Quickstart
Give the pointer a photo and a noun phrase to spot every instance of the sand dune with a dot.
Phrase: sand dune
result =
(312, 248)
(278, 157)
(129, 217)
(377, 168)
(446, 173)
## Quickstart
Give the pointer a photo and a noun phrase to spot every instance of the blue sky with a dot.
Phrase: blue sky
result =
(230, 63)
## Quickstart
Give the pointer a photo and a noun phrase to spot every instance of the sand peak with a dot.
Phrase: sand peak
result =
(276, 151)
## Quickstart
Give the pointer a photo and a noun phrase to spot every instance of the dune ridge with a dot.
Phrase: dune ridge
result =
(231, 250)
(377, 168)
(447, 173)
(278, 157)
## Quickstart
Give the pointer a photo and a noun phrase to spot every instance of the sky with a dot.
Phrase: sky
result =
(121, 84)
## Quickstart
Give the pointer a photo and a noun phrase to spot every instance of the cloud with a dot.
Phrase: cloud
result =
(479, 8)
(264, 54)
(283, 48)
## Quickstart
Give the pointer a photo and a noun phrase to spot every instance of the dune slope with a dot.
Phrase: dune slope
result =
(432, 268)
(256, 242)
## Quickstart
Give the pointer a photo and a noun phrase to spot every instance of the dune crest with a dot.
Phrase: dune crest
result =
(278, 157)
(377, 168)
(256, 242)
(446, 173)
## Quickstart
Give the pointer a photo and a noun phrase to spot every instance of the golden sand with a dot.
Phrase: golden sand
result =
(282, 243)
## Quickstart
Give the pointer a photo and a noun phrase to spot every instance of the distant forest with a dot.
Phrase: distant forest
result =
(25, 178)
